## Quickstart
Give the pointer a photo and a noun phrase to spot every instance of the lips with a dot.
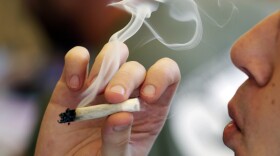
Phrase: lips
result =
(233, 115)
(233, 130)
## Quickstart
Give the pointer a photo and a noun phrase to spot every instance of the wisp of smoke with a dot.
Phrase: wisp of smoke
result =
(141, 10)
(180, 10)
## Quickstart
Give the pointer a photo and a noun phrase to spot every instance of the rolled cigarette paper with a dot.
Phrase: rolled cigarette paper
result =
(99, 111)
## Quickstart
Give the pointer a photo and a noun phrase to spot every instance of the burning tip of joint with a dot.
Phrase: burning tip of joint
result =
(68, 116)
(98, 111)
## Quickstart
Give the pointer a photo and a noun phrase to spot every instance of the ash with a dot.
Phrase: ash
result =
(68, 116)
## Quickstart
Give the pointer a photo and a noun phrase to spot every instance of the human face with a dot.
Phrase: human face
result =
(255, 108)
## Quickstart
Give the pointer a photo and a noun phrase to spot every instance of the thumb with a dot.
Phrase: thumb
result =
(116, 134)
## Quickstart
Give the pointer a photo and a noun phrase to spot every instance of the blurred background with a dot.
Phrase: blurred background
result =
(35, 35)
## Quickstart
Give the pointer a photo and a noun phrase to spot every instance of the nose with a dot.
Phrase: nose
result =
(253, 53)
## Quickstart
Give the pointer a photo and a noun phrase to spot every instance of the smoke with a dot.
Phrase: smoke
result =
(140, 10)
(180, 10)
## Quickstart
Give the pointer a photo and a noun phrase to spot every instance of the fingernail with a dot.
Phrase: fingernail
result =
(149, 90)
(120, 128)
(74, 82)
(118, 89)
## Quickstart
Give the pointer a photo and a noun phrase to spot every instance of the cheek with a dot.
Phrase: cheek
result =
(262, 120)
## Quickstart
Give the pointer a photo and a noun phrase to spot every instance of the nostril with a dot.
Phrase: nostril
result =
(246, 71)
(261, 74)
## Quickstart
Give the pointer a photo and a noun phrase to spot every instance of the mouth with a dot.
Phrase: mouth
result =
(233, 115)
(232, 125)
(232, 131)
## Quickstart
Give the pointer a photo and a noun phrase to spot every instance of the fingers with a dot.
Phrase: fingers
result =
(160, 81)
(116, 134)
(161, 75)
(129, 77)
(116, 50)
(75, 69)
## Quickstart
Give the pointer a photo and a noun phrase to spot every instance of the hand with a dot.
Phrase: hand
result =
(120, 134)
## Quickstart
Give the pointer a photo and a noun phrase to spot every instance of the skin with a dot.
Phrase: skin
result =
(119, 134)
(255, 108)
